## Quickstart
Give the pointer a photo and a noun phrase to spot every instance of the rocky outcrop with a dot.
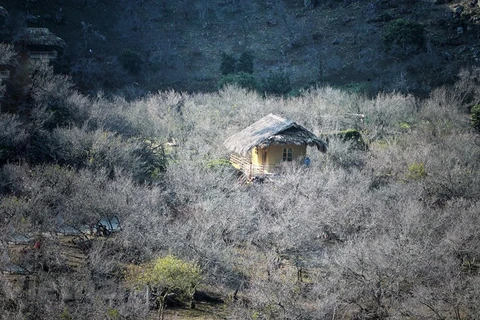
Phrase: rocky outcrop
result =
(309, 4)
(3, 13)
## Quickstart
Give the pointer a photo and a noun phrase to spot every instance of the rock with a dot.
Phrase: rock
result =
(347, 20)
(33, 19)
(405, 10)
(460, 30)
(3, 17)
(381, 5)
(439, 22)
(59, 16)
(458, 10)
(309, 4)
(439, 1)
(3, 12)
(316, 36)
(383, 17)
(453, 41)
(394, 4)
(271, 22)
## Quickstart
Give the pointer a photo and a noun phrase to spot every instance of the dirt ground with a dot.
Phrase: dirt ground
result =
(69, 254)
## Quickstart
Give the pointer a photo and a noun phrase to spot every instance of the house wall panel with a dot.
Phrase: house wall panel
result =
(275, 153)
(257, 156)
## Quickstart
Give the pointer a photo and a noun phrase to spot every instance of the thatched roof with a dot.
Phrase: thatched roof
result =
(271, 130)
(41, 37)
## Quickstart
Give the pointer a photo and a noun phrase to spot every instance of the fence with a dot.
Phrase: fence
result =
(249, 169)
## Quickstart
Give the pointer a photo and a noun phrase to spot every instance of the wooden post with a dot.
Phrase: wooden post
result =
(147, 297)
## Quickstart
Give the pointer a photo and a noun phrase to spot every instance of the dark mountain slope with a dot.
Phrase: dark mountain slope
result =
(165, 44)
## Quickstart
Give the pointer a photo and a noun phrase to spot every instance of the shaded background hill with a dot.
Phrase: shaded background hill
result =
(140, 46)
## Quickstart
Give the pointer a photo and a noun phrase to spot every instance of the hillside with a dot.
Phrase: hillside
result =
(119, 201)
(151, 45)
(386, 231)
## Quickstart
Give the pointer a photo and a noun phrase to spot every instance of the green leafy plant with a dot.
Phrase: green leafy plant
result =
(228, 64)
(170, 276)
(475, 117)
(403, 33)
(113, 314)
(216, 164)
(348, 135)
(241, 79)
(404, 125)
(277, 83)
(357, 87)
(245, 62)
(416, 171)
(131, 61)
(65, 315)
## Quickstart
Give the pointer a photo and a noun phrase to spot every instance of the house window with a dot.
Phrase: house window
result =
(287, 154)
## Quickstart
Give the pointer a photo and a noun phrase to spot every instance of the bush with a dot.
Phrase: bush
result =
(57, 102)
(362, 87)
(416, 171)
(169, 275)
(7, 54)
(475, 117)
(241, 79)
(12, 136)
(349, 135)
(277, 83)
(404, 33)
(218, 164)
(245, 63)
(131, 61)
(228, 64)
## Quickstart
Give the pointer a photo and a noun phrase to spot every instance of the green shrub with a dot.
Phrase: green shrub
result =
(405, 125)
(168, 275)
(218, 164)
(277, 83)
(131, 61)
(357, 87)
(245, 63)
(349, 135)
(228, 64)
(416, 171)
(404, 33)
(113, 314)
(241, 79)
(475, 117)
(65, 315)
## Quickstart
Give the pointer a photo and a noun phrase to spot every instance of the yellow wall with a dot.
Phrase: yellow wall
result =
(257, 156)
(275, 154)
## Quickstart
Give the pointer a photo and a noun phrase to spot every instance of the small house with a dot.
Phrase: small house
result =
(261, 147)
